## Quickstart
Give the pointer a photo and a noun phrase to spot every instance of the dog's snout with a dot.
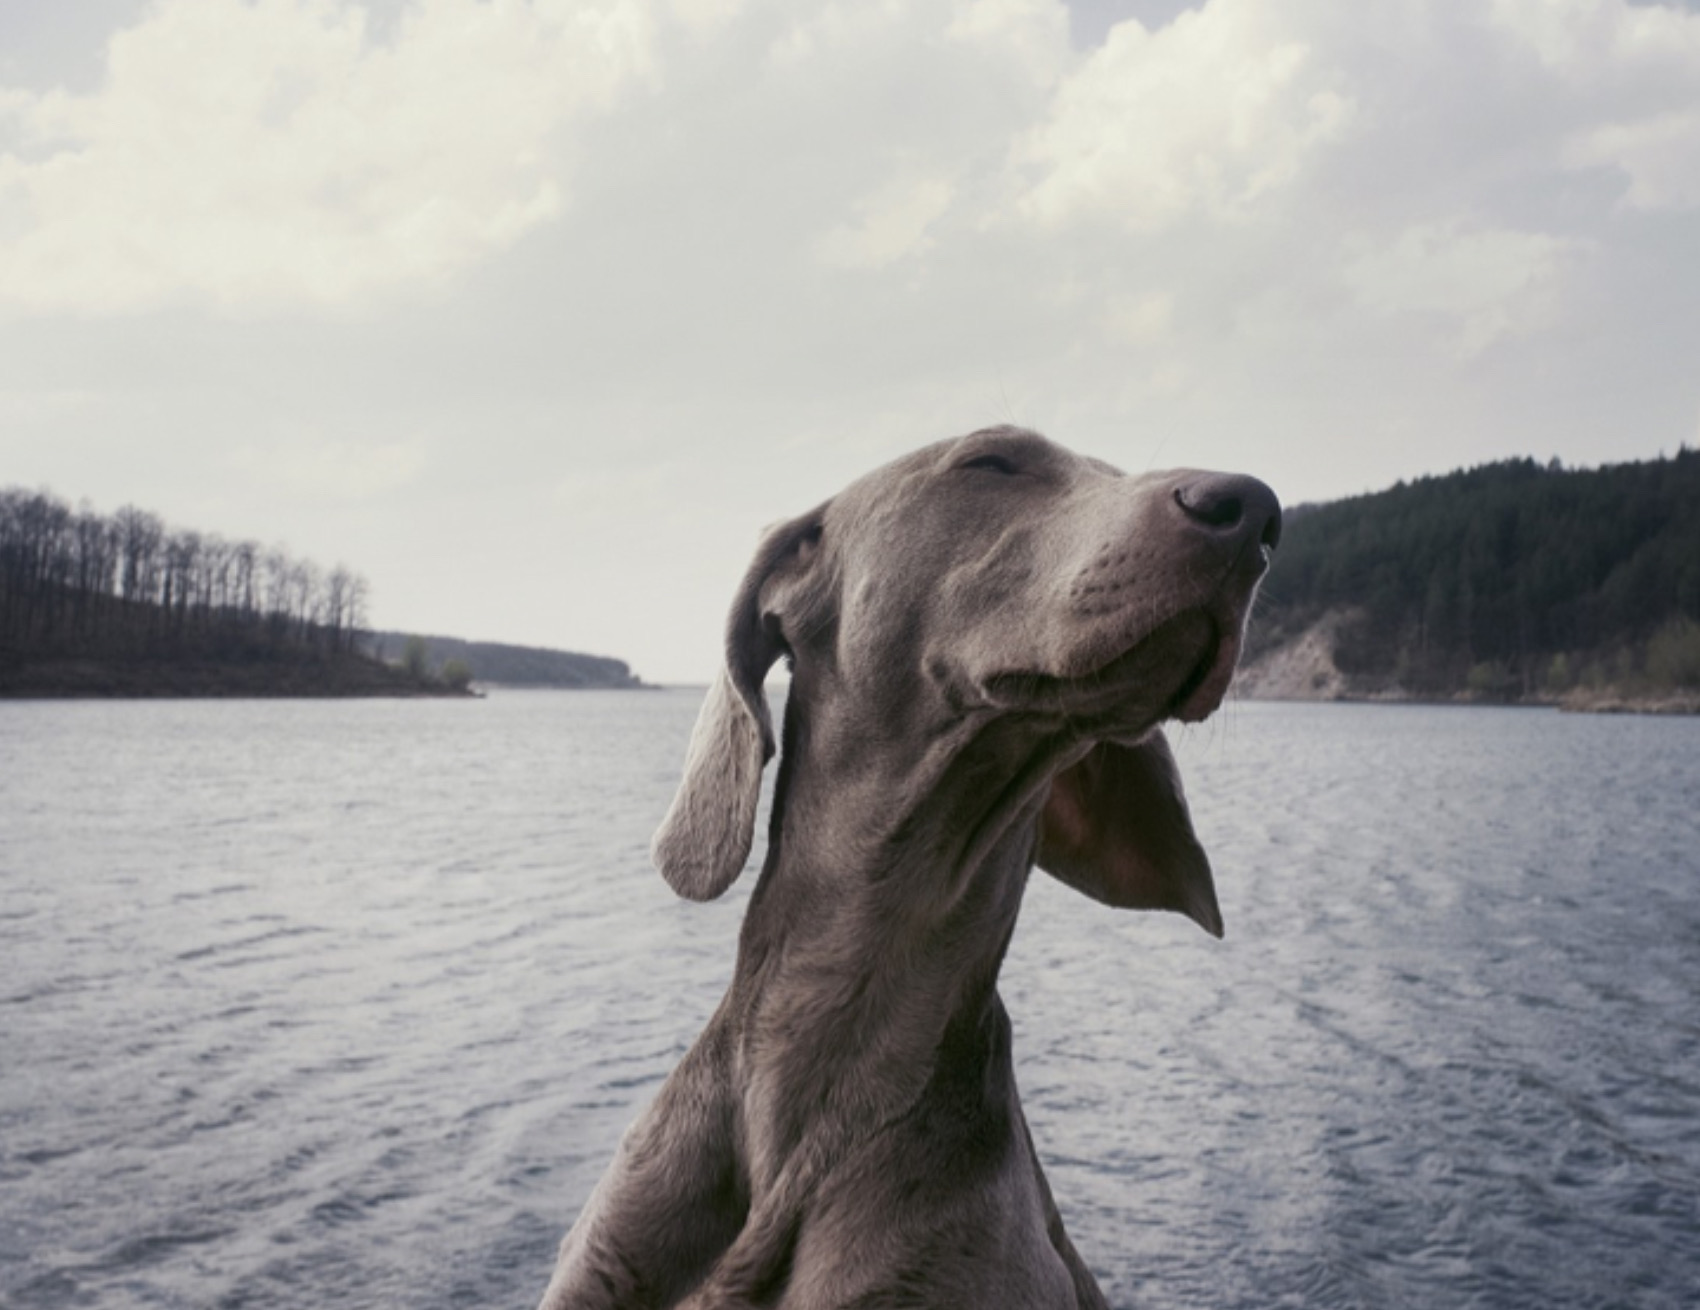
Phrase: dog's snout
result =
(1233, 504)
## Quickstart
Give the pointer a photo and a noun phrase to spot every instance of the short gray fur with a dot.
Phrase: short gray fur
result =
(984, 637)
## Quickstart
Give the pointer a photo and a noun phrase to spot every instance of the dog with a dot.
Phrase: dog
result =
(984, 637)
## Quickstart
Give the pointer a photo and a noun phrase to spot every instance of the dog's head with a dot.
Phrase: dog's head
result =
(1000, 575)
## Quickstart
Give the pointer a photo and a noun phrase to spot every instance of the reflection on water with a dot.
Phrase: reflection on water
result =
(345, 1004)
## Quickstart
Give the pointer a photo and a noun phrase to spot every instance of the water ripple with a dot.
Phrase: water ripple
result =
(348, 1005)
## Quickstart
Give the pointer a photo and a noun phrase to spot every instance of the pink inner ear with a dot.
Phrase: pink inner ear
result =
(1116, 828)
(1066, 837)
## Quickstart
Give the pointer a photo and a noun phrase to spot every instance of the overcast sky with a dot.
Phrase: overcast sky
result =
(536, 311)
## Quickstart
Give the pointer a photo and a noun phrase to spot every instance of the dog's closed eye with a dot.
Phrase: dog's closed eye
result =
(992, 464)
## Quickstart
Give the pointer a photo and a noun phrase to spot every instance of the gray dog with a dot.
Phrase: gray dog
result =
(984, 636)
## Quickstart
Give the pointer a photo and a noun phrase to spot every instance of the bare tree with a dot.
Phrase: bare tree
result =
(139, 537)
(357, 620)
(128, 584)
(245, 558)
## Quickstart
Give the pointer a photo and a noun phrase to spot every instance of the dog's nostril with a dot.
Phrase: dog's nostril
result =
(1240, 506)
(1209, 505)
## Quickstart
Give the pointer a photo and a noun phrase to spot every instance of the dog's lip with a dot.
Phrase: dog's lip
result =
(1199, 679)
(1205, 688)
(1120, 680)
(1207, 685)
(1199, 694)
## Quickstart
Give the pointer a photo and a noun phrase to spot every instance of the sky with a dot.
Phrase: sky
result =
(535, 312)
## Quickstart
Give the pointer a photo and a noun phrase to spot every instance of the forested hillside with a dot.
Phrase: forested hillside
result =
(1512, 581)
(127, 605)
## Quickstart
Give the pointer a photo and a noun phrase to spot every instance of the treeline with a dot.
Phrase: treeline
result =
(500, 664)
(1513, 580)
(127, 586)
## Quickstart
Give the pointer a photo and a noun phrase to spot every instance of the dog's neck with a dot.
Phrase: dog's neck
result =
(870, 952)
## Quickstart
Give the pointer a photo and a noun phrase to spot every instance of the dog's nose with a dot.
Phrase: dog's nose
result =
(1232, 504)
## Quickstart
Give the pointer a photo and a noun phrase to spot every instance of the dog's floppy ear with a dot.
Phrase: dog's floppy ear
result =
(703, 842)
(1116, 827)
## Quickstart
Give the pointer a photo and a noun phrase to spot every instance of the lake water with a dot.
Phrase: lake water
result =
(345, 1005)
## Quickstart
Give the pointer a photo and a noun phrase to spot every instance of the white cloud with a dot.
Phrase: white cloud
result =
(246, 156)
(834, 28)
(1595, 42)
(1208, 115)
(624, 494)
(1660, 155)
(892, 223)
(1631, 73)
(1488, 284)
(1033, 31)
(329, 469)
(700, 15)
(1140, 320)
(663, 310)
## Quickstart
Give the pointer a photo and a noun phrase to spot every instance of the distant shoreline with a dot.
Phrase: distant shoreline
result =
(503, 664)
(1592, 701)
(1306, 665)
(329, 678)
